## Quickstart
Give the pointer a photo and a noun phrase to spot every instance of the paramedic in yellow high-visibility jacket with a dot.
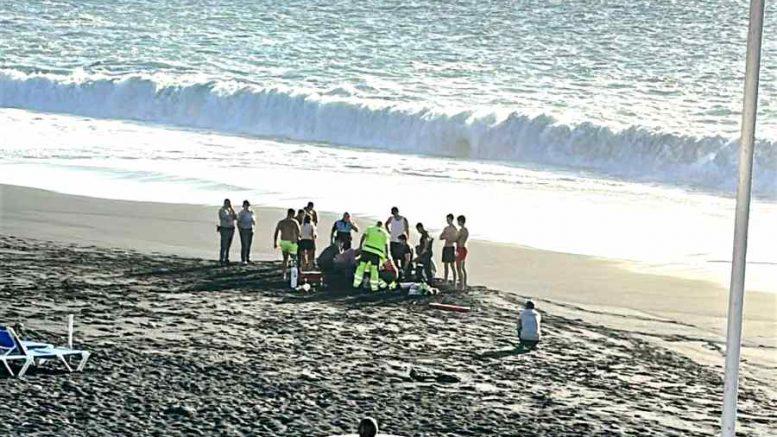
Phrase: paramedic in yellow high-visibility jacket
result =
(374, 250)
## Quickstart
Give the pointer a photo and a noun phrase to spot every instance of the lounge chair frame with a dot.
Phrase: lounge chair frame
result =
(38, 354)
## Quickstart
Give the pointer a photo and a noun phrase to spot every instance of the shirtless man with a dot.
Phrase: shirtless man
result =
(289, 230)
(461, 252)
(449, 235)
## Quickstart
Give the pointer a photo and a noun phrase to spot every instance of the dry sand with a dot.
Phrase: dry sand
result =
(183, 346)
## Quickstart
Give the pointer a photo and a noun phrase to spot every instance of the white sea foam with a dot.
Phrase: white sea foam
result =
(342, 119)
(664, 229)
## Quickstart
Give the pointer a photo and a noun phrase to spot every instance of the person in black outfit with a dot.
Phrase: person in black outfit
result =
(424, 254)
(404, 254)
(326, 259)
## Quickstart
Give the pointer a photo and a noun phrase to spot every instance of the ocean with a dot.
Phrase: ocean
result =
(604, 128)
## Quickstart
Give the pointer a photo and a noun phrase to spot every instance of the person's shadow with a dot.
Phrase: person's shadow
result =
(504, 353)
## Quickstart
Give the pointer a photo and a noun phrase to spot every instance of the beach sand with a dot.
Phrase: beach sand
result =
(183, 346)
(184, 343)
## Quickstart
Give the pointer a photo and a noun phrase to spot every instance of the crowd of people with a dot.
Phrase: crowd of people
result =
(383, 252)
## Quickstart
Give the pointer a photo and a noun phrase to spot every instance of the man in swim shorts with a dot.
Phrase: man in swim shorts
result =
(461, 252)
(449, 235)
(289, 231)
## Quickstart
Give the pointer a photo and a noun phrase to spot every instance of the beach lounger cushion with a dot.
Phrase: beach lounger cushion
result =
(11, 351)
(7, 342)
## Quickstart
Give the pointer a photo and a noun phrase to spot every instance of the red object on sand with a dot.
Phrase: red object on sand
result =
(446, 307)
(311, 277)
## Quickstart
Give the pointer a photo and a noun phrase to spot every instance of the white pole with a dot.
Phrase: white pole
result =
(737, 290)
(70, 331)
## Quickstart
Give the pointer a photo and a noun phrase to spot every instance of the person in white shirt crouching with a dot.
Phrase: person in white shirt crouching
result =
(529, 330)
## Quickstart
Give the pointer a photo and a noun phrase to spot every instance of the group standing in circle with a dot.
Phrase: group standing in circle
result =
(383, 252)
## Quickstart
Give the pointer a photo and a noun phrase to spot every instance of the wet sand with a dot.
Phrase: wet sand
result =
(685, 315)
(183, 346)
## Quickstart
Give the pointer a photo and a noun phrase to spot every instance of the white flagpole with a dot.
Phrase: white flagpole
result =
(737, 290)
(70, 331)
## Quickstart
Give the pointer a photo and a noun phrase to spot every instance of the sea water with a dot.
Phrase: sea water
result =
(600, 128)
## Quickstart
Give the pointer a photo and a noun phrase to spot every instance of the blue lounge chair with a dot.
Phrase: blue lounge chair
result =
(11, 351)
(37, 353)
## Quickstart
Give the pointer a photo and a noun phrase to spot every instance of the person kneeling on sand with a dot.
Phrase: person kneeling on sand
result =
(346, 259)
(326, 259)
(345, 263)
(289, 231)
(326, 262)
(389, 274)
(529, 330)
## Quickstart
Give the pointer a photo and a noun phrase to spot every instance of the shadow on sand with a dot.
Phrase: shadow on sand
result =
(351, 297)
(264, 277)
(504, 353)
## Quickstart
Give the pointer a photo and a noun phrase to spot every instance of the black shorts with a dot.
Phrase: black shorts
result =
(307, 245)
(448, 254)
(371, 258)
(343, 237)
(396, 250)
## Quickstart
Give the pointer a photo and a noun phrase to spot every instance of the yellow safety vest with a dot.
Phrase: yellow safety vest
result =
(375, 240)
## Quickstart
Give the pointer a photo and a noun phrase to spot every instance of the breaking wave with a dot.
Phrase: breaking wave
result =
(339, 118)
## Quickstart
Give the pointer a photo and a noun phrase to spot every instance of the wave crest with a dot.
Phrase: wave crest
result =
(336, 117)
